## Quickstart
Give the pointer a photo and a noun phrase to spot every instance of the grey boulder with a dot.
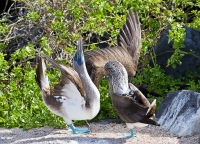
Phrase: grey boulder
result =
(179, 113)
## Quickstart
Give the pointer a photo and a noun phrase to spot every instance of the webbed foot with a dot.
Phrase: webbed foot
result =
(78, 130)
(129, 136)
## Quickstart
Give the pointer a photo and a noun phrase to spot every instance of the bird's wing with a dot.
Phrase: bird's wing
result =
(130, 110)
(129, 37)
(139, 96)
(152, 109)
(41, 78)
(129, 104)
(143, 100)
(43, 83)
(66, 91)
(70, 79)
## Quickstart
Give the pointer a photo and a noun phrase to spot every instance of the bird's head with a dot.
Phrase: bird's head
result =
(112, 68)
(117, 77)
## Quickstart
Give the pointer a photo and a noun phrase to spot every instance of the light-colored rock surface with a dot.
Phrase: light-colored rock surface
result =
(179, 113)
(100, 134)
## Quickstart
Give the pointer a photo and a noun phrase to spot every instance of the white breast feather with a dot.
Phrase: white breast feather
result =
(73, 103)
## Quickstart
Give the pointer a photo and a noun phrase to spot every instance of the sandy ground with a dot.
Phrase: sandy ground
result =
(101, 133)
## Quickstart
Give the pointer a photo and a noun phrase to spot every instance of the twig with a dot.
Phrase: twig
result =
(8, 34)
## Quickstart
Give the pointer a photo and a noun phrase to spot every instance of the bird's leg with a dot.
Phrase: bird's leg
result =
(131, 134)
(78, 130)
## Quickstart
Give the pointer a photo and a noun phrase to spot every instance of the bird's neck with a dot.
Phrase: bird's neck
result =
(91, 90)
(120, 84)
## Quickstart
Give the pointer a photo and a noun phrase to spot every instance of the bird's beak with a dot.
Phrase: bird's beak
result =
(110, 85)
(79, 56)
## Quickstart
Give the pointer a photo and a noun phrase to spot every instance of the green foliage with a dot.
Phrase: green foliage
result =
(106, 106)
(178, 35)
(158, 82)
(63, 22)
(21, 103)
(33, 16)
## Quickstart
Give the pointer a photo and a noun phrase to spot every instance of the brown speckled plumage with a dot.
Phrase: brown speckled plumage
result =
(127, 52)
(130, 110)
(68, 74)
(47, 95)
(131, 105)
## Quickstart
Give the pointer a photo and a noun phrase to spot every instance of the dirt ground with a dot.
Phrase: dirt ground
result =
(103, 132)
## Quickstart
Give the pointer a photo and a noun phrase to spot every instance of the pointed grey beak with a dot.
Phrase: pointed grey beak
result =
(110, 85)
(79, 46)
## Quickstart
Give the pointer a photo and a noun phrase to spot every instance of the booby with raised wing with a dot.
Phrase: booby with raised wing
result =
(75, 97)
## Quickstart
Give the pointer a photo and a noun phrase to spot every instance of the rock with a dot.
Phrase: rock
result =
(164, 50)
(179, 113)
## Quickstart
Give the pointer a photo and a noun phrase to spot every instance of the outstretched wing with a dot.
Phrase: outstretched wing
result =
(129, 37)
(69, 78)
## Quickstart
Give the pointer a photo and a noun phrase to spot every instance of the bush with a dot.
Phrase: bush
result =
(53, 27)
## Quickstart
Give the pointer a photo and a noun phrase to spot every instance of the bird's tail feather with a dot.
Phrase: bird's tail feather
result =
(152, 108)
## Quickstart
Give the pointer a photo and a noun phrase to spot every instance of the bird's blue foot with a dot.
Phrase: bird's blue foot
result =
(78, 130)
(129, 136)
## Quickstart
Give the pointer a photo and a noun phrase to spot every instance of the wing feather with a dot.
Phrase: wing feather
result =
(130, 110)
(68, 75)
(129, 37)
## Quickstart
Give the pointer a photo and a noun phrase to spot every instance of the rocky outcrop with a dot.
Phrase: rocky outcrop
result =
(179, 113)
(190, 62)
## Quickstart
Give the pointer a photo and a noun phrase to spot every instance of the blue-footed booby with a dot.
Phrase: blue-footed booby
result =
(75, 97)
(130, 104)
